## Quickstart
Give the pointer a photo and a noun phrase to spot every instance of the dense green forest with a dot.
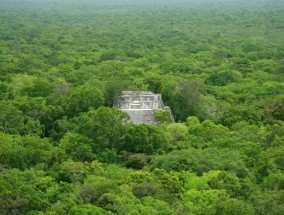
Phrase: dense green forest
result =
(64, 148)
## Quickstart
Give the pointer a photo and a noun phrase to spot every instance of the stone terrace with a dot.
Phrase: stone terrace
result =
(141, 105)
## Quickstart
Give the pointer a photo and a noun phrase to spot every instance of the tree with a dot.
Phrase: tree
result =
(160, 206)
(11, 118)
(222, 78)
(88, 209)
(154, 82)
(69, 171)
(143, 139)
(178, 133)
(104, 126)
(83, 98)
(232, 184)
(96, 186)
(234, 207)
(112, 91)
(28, 85)
(163, 116)
(137, 160)
(185, 98)
(268, 202)
(31, 191)
(77, 147)
(204, 201)
(201, 160)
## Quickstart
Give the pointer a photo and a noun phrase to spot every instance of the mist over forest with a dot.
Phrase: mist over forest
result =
(66, 5)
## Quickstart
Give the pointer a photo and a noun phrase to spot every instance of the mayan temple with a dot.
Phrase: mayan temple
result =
(141, 105)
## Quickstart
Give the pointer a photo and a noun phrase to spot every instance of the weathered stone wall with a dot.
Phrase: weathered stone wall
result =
(141, 105)
(139, 100)
(141, 116)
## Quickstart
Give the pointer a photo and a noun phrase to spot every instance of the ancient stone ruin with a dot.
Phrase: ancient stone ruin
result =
(141, 105)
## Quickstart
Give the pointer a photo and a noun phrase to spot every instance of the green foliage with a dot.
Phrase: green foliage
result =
(104, 126)
(185, 98)
(234, 206)
(77, 147)
(268, 202)
(200, 161)
(112, 91)
(154, 82)
(158, 184)
(65, 148)
(204, 201)
(87, 209)
(178, 134)
(144, 139)
(85, 97)
(234, 186)
(11, 119)
(163, 116)
(137, 160)
(32, 191)
(24, 152)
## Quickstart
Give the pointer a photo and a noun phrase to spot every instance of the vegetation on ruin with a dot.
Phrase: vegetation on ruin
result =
(219, 65)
